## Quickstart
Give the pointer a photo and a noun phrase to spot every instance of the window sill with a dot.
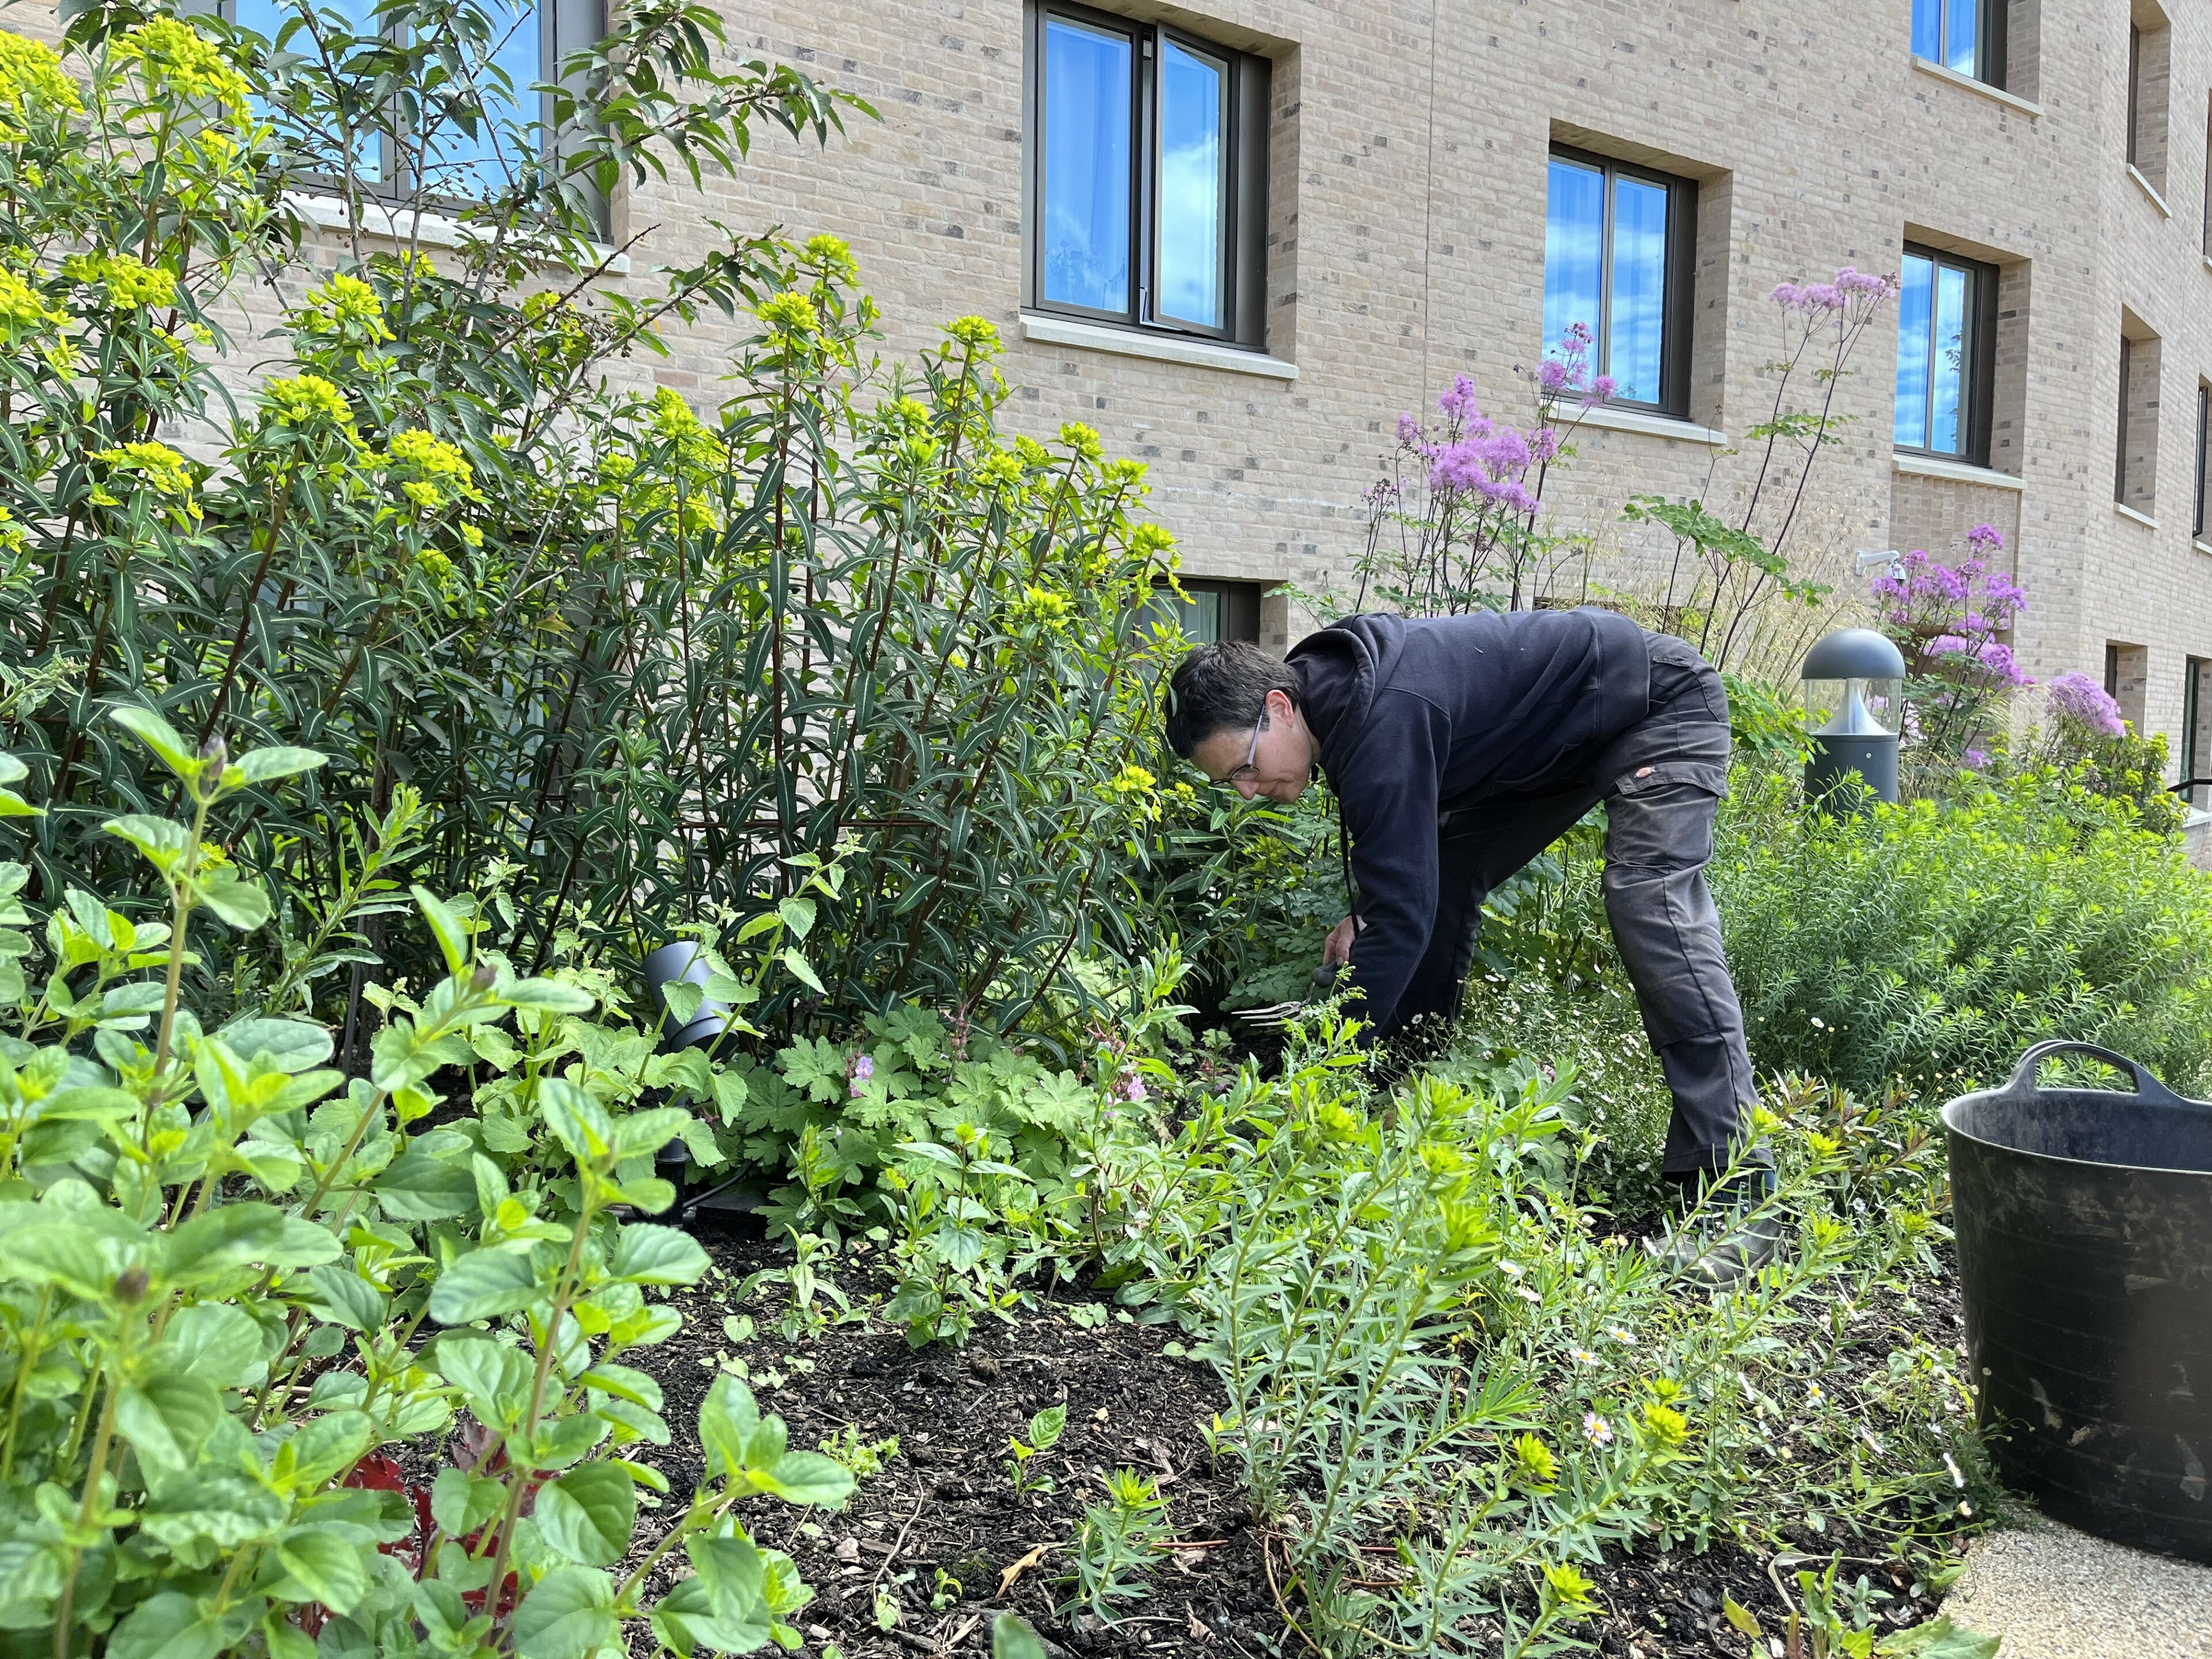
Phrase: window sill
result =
(1656, 425)
(2151, 191)
(2142, 518)
(1161, 349)
(422, 229)
(2202, 547)
(1933, 466)
(1944, 72)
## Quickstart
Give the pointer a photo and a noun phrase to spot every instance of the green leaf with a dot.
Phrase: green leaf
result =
(483, 1285)
(1012, 1637)
(263, 765)
(798, 915)
(587, 1514)
(326, 1566)
(1939, 1638)
(647, 1254)
(1741, 1616)
(453, 938)
(163, 840)
(211, 1244)
(163, 739)
(580, 1121)
(216, 1343)
(291, 1046)
(344, 1298)
(169, 1625)
(727, 1419)
(419, 1187)
(492, 1376)
(569, 1615)
(802, 969)
(1046, 1426)
(549, 996)
(167, 1420)
(806, 1478)
(459, 1503)
(238, 901)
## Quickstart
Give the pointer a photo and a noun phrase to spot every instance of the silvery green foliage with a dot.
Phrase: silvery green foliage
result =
(233, 1281)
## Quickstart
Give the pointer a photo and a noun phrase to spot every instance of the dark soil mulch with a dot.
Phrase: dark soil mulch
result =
(944, 1504)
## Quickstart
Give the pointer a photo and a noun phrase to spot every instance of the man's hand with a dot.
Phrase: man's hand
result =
(1338, 950)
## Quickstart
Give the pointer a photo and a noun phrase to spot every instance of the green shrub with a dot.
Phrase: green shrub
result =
(636, 665)
(1933, 943)
(231, 1278)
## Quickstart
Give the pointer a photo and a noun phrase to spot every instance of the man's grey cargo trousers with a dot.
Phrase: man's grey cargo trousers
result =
(1661, 781)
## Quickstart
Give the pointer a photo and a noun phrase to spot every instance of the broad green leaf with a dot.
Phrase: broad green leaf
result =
(798, 915)
(1012, 1637)
(483, 1285)
(289, 1045)
(640, 1135)
(323, 1447)
(795, 959)
(492, 1376)
(163, 739)
(1939, 1638)
(163, 840)
(587, 1514)
(453, 938)
(624, 1383)
(549, 996)
(569, 1615)
(580, 1121)
(727, 1419)
(167, 1419)
(647, 1254)
(1741, 1616)
(460, 1502)
(262, 765)
(211, 1244)
(12, 770)
(344, 1298)
(216, 1343)
(1046, 1426)
(170, 1625)
(806, 1477)
(419, 1187)
(326, 1566)
(237, 900)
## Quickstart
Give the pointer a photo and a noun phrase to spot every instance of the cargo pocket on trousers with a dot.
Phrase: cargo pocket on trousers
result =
(1708, 775)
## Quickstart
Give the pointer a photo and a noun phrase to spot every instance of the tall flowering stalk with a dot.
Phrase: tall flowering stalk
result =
(1452, 526)
(1949, 621)
(1724, 570)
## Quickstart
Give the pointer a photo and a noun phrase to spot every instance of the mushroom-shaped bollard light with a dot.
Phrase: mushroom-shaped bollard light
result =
(681, 963)
(1854, 705)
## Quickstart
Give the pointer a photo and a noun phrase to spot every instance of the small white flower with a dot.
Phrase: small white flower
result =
(1511, 1269)
(1819, 1024)
(1814, 1393)
(1623, 1335)
(1957, 1479)
(1529, 1296)
(1596, 1430)
(1581, 1356)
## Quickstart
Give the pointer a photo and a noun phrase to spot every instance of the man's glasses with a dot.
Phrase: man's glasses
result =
(1249, 769)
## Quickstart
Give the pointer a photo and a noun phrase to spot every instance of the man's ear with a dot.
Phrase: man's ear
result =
(1278, 706)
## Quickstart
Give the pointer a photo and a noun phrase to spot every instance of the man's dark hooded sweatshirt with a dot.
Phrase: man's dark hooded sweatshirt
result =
(1418, 718)
(1460, 747)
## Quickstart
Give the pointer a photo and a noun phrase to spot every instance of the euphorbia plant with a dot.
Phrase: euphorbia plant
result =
(218, 1259)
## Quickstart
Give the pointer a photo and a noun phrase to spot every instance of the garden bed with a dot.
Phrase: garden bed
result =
(942, 1507)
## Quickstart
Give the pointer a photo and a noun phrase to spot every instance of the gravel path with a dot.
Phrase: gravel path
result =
(2053, 1593)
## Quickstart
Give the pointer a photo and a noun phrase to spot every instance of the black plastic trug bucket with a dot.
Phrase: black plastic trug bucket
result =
(2084, 1221)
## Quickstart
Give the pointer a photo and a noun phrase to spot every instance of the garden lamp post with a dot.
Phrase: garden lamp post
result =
(681, 963)
(1854, 704)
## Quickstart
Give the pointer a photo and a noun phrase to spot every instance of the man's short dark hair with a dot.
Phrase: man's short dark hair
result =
(1223, 687)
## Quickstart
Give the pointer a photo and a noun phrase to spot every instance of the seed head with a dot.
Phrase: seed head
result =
(130, 1284)
(484, 978)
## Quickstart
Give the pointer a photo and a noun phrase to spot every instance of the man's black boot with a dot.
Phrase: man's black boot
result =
(1728, 1231)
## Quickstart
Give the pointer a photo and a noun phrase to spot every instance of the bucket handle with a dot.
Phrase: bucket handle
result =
(2023, 1077)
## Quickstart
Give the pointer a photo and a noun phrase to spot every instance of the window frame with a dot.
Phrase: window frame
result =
(564, 26)
(1977, 379)
(1247, 87)
(2134, 91)
(1239, 609)
(1990, 18)
(2203, 456)
(2120, 449)
(1677, 303)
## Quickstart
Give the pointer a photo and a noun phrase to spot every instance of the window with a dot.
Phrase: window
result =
(1966, 35)
(1212, 611)
(2150, 42)
(2203, 446)
(1147, 177)
(2135, 463)
(1945, 355)
(1618, 241)
(2127, 678)
(528, 38)
(2195, 713)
